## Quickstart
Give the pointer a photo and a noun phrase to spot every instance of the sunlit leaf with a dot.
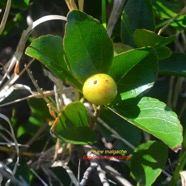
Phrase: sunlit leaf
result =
(49, 50)
(88, 48)
(154, 117)
(147, 38)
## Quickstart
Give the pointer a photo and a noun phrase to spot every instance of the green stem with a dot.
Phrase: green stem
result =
(180, 166)
(104, 13)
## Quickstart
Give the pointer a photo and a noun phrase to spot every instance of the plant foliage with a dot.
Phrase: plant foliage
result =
(145, 119)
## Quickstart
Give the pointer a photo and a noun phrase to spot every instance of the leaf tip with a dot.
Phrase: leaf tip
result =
(176, 149)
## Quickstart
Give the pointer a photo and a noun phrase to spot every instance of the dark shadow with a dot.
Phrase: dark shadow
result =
(141, 158)
(128, 108)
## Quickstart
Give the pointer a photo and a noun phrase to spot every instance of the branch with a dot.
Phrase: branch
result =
(24, 37)
(86, 174)
(5, 16)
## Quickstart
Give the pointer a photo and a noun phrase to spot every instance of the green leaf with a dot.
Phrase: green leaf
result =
(141, 76)
(120, 47)
(154, 117)
(74, 115)
(40, 111)
(174, 65)
(73, 126)
(163, 52)
(124, 62)
(147, 163)
(137, 14)
(179, 23)
(22, 5)
(88, 48)
(49, 50)
(165, 11)
(78, 135)
(39, 116)
(147, 38)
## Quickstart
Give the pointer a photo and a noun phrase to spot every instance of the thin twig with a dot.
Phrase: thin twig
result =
(5, 137)
(21, 153)
(115, 133)
(24, 37)
(8, 87)
(71, 174)
(58, 90)
(93, 165)
(7, 173)
(170, 93)
(40, 91)
(39, 178)
(81, 4)
(5, 16)
(51, 175)
(37, 134)
(34, 95)
(71, 5)
(183, 11)
(1, 178)
(102, 176)
(15, 141)
(115, 14)
(78, 175)
(116, 175)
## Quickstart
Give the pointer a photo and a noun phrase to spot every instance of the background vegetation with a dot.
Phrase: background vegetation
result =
(44, 62)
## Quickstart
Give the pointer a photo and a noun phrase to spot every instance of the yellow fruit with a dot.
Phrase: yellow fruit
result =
(100, 89)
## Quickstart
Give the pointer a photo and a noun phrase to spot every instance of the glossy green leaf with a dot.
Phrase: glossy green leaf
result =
(163, 52)
(137, 14)
(174, 65)
(88, 48)
(79, 135)
(73, 126)
(74, 114)
(154, 117)
(147, 38)
(124, 62)
(49, 50)
(140, 78)
(148, 161)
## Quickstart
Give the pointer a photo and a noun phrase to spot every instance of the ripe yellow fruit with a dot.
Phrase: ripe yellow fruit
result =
(100, 89)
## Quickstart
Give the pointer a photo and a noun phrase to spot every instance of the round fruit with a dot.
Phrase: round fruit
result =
(100, 89)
